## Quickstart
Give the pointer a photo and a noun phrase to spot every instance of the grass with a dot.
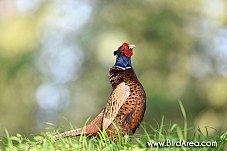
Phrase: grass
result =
(136, 142)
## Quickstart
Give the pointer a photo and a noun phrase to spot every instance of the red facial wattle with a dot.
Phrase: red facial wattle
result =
(126, 50)
(128, 53)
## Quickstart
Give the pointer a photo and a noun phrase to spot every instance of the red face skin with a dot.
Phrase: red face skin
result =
(125, 49)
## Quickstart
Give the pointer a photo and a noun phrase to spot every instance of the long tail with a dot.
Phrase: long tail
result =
(91, 129)
(71, 133)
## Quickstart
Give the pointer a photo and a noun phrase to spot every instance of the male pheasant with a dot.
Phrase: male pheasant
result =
(126, 104)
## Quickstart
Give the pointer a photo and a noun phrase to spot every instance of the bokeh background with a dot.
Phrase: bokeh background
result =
(55, 56)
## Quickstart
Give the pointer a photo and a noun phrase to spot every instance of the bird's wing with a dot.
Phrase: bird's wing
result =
(116, 100)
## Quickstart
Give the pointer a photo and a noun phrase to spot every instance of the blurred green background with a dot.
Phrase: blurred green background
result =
(55, 57)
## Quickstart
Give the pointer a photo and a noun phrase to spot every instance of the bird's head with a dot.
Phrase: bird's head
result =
(123, 56)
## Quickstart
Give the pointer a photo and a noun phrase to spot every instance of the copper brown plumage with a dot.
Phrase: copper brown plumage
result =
(126, 104)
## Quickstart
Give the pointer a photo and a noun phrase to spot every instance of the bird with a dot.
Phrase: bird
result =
(126, 104)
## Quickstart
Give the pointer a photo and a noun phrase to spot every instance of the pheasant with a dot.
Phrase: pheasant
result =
(127, 102)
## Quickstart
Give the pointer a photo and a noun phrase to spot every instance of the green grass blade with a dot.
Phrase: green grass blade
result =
(161, 128)
(185, 119)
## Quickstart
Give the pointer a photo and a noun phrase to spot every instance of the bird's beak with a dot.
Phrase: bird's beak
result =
(131, 46)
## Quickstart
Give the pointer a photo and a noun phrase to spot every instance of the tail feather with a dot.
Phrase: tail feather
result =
(70, 133)
(91, 129)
